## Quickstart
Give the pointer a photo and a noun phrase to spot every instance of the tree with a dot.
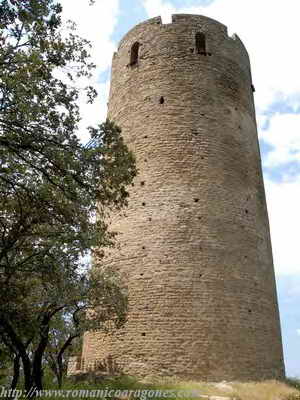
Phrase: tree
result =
(104, 309)
(51, 186)
(63, 338)
(48, 310)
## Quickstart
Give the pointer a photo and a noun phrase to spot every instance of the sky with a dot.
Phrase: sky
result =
(270, 30)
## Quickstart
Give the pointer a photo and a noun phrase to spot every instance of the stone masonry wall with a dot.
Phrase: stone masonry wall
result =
(195, 247)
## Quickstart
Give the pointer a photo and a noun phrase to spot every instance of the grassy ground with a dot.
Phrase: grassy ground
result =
(126, 388)
(175, 389)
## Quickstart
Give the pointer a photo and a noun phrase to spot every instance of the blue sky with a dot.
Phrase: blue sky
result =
(270, 30)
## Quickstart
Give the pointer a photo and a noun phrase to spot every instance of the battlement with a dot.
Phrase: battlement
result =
(195, 19)
(216, 32)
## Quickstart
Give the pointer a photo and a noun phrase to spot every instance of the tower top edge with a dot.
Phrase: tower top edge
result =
(196, 18)
(191, 20)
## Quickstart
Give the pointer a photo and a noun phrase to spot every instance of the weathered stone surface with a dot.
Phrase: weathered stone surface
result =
(74, 365)
(195, 247)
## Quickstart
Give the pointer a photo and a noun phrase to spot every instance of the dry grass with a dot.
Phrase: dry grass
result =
(268, 390)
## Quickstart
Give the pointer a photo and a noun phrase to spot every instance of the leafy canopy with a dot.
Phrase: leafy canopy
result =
(54, 192)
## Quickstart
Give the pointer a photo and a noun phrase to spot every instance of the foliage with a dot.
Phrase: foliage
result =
(51, 186)
(293, 382)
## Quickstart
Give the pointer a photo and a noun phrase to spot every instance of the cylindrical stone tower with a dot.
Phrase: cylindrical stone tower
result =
(195, 246)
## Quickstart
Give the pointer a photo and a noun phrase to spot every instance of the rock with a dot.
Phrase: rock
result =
(224, 386)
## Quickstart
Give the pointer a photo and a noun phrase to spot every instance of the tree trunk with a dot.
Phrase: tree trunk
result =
(27, 373)
(60, 364)
(20, 349)
(37, 370)
(60, 379)
(16, 372)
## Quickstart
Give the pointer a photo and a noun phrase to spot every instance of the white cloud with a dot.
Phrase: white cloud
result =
(95, 23)
(283, 134)
(283, 205)
(95, 113)
(159, 7)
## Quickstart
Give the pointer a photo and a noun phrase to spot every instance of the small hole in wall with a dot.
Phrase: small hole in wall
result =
(143, 203)
(199, 218)
(192, 50)
(150, 219)
(196, 200)
(145, 137)
(132, 184)
(142, 183)
(246, 211)
(200, 275)
(143, 334)
(249, 311)
(141, 274)
(143, 247)
(145, 160)
(161, 100)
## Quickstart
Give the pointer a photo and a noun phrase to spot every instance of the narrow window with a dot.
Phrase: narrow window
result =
(134, 54)
(200, 43)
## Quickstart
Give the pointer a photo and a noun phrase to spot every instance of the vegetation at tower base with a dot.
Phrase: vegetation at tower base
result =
(51, 188)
